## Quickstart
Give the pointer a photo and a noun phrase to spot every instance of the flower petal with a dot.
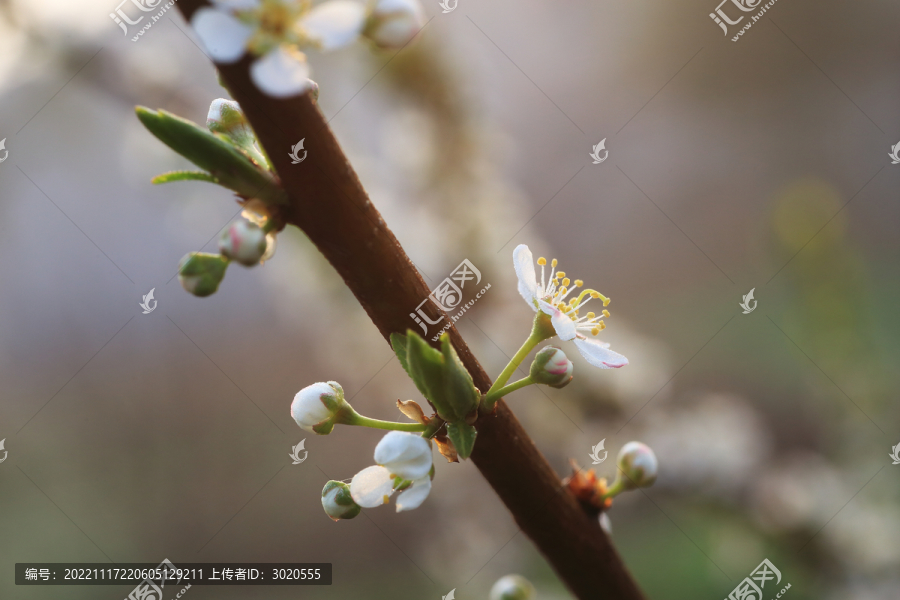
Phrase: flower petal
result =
(223, 36)
(336, 23)
(281, 73)
(564, 325)
(599, 354)
(404, 454)
(414, 496)
(523, 262)
(371, 487)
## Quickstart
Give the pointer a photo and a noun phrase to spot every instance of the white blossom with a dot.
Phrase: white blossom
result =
(549, 296)
(404, 461)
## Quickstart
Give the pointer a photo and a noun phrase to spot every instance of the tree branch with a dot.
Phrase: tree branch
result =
(328, 202)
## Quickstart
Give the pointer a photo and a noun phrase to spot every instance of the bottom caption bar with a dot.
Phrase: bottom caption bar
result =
(155, 577)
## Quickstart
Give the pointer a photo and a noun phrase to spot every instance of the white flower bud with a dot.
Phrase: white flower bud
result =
(552, 367)
(243, 242)
(393, 23)
(226, 117)
(315, 407)
(337, 502)
(638, 464)
(200, 273)
(512, 587)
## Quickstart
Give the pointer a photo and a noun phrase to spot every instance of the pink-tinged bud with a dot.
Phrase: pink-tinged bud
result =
(243, 242)
(638, 464)
(393, 23)
(552, 367)
(316, 406)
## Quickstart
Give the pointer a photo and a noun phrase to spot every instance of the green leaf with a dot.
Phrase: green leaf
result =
(399, 343)
(458, 384)
(231, 166)
(426, 368)
(183, 176)
(463, 437)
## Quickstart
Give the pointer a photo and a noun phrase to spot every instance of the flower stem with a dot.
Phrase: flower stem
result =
(616, 488)
(491, 396)
(348, 416)
(490, 399)
(379, 424)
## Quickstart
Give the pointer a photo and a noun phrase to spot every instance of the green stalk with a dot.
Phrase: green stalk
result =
(492, 396)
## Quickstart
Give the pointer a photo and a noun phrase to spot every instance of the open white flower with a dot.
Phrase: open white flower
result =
(549, 296)
(404, 463)
(275, 31)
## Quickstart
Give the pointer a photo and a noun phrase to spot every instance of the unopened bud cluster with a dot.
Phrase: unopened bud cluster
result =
(245, 241)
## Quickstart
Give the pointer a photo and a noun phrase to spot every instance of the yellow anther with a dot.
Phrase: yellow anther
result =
(566, 281)
(561, 291)
(572, 301)
(553, 263)
(578, 283)
(595, 331)
(591, 315)
(602, 325)
(605, 313)
(595, 295)
(542, 261)
(560, 273)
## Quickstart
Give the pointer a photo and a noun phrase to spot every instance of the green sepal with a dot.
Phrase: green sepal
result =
(183, 176)
(458, 384)
(201, 273)
(463, 437)
(231, 166)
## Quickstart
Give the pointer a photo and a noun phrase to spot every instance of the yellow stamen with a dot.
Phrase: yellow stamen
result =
(572, 302)
(542, 261)
(595, 331)
(602, 325)
(605, 313)
(566, 281)
(595, 294)
(578, 283)
(591, 315)
(553, 263)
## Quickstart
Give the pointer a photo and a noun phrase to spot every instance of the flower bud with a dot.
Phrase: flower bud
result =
(337, 502)
(315, 407)
(200, 273)
(227, 118)
(638, 464)
(551, 367)
(243, 242)
(393, 23)
(512, 587)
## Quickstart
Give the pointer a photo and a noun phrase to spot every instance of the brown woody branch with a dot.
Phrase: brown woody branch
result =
(328, 202)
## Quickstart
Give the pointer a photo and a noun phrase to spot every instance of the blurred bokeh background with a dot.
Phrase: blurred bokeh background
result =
(760, 164)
